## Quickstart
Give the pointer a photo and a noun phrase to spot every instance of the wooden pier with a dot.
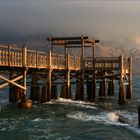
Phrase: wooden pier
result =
(17, 64)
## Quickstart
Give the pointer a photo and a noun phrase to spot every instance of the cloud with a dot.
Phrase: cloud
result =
(137, 40)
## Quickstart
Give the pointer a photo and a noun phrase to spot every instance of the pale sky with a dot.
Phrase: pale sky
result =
(104, 19)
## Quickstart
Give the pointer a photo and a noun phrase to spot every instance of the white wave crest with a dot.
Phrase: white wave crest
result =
(37, 120)
(75, 103)
(105, 117)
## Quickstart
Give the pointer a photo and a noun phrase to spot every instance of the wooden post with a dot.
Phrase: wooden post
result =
(82, 54)
(52, 50)
(24, 80)
(129, 86)
(35, 93)
(9, 56)
(93, 55)
(25, 69)
(139, 115)
(89, 90)
(102, 88)
(10, 87)
(54, 92)
(81, 86)
(24, 52)
(110, 91)
(37, 59)
(68, 78)
(121, 90)
(63, 91)
(93, 89)
(45, 96)
(50, 75)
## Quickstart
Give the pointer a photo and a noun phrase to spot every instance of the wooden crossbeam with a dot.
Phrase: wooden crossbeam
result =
(12, 82)
(59, 77)
(4, 84)
(66, 38)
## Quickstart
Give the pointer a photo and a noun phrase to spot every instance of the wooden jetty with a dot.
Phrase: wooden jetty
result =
(17, 64)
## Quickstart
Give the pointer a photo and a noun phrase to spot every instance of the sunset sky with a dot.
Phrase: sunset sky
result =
(103, 19)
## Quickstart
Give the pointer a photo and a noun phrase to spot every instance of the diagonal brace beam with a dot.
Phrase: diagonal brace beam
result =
(12, 82)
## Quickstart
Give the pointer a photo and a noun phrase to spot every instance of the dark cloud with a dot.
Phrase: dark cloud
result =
(104, 19)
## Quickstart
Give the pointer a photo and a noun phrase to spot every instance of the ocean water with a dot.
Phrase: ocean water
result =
(63, 119)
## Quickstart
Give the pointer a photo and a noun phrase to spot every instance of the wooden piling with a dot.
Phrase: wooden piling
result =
(121, 89)
(110, 91)
(16, 94)
(89, 90)
(139, 115)
(63, 91)
(54, 92)
(10, 87)
(93, 89)
(45, 96)
(35, 93)
(121, 95)
(129, 91)
(102, 88)
(50, 75)
(129, 86)
(79, 91)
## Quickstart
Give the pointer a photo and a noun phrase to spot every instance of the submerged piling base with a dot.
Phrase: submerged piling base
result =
(24, 102)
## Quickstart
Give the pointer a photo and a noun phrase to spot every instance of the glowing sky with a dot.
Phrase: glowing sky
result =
(104, 19)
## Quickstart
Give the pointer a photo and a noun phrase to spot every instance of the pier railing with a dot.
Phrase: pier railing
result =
(21, 57)
(18, 57)
(107, 63)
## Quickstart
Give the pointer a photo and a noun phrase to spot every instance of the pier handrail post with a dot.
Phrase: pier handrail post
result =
(8, 55)
(37, 59)
(24, 52)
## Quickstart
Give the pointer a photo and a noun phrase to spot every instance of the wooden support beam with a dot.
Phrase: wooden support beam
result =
(24, 80)
(50, 76)
(12, 82)
(68, 84)
(110, 91)
(24, 52)
(129, 86)
(121, 90)
(66, 38)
